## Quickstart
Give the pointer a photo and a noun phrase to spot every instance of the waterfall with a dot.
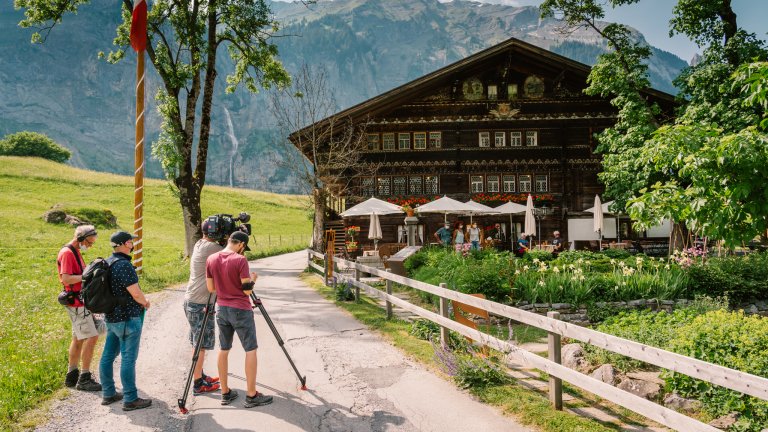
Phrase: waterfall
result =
(235, 145)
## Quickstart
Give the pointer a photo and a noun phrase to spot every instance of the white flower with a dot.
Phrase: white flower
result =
(613, 261)
(541, 283)
(666, 266)
(555, 269)
(525, 268)
(571, 266)
(535, 260)
(581, 278)
(517, 272)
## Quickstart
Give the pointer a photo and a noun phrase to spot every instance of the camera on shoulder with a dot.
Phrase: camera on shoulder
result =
(219, 227)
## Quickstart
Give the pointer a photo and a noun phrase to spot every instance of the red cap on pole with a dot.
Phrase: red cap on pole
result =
(139, 26)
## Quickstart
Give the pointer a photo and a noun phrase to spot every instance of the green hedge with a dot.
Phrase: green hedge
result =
(33, 144)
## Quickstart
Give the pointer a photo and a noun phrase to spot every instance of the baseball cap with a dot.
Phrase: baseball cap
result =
(241, 237)
(121, 237)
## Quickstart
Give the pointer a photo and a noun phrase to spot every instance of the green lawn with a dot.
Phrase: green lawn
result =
(34, 329)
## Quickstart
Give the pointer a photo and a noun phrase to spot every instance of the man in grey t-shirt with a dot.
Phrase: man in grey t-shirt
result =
(195, 305)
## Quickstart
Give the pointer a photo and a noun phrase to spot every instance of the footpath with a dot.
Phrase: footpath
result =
(356, 380)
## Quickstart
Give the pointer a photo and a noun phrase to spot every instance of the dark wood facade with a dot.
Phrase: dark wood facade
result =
(500, 124)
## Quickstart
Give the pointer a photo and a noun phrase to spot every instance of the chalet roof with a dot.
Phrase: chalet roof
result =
(392, 98)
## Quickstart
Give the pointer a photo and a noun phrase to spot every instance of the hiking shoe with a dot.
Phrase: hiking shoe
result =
(137, 404)
(227, 398)
(204, 387)
(210, 380)
(112, 399)
(72, 378)
(258, 399)
(86, 383)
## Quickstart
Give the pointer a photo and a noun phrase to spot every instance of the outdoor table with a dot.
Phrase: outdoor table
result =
(371, 253)
(547, 247)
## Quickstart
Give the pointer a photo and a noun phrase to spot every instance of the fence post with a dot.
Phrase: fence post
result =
(555, 384)
(325, 268)
(389, 291)
(309, 257)
(357, 279)
(444, 312)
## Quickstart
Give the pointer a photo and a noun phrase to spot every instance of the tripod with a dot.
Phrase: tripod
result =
(256, 303)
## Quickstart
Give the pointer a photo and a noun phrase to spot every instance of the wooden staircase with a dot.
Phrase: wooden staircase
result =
(338, 226)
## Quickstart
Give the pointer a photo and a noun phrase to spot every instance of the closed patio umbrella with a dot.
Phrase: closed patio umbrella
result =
(597, 221)
(374, 231)
(530, 221)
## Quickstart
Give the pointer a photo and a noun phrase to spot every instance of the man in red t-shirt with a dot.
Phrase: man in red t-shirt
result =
(85, 331)
(227, 275)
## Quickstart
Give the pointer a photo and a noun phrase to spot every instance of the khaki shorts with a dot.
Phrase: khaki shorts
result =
(84, 324)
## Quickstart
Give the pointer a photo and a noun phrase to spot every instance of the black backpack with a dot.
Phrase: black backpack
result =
(97, 289)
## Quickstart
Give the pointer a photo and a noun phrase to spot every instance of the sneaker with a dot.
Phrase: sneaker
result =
(204, 387)
(112, 399)
(258, 399)
(86, 383)
(137, 404)
(210, 380)
(72, 377)
(227, 398)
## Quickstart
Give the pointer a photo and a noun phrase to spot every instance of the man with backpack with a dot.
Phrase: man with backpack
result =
(84, 327)
(124, 325)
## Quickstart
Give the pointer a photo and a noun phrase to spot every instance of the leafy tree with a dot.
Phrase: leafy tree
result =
(33, 144)
(703, 169)
(184, 39)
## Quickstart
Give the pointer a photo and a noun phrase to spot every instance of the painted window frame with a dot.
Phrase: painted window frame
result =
(381, 182)
(484, 137)
(476, 180)
(416, 137)
(508, 179)
(531, 138)
(427, 186)
(496, 136)
(438, 140)
(391, 145)
(492, 183)
(543, 178)
(524, 182)
(374, 138)
(493, 92)
(401, 138)
(412, 185)
(404, 185)
(516, 139)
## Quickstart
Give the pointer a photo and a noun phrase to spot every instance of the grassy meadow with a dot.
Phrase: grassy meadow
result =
(34, 328)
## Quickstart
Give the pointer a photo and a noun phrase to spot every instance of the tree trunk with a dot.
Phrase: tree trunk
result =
(189, 197)
(318, 196)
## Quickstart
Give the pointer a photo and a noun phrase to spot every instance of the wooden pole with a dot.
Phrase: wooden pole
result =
(138, 193)
(444, 312)
(555, 384)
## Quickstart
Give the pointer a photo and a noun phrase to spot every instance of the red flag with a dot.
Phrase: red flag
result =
(139, 26)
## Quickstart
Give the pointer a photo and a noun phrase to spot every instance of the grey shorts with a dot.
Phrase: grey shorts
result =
(84, 324)
(240, 321)
(195, 314)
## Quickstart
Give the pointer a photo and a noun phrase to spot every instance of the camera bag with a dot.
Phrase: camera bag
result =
(67, 297)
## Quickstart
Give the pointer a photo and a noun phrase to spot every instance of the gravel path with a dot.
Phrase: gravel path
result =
(356, 380)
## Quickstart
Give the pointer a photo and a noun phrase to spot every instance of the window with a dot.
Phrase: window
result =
(493, 92)
(515, 139)
(511, 91)
(373, 142)
(476, 183)
(485, 139)
(435, 139)
(388, 141)
(492, 182)
(404, 141)
(384, 186)
(509, 183)
(420, 140)
(415, 185)
(531, 138)
(367, 187)
(399, 186)
(525, 183)
(542, 183)
(431, 185)
(498, 139)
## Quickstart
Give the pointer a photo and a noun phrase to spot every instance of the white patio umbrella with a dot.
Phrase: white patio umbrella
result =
(605, 207)
(480, 209)
(371, 206)
(511, 208)
(445, 206)
(597, 221)
(530, 221)
(374, 231)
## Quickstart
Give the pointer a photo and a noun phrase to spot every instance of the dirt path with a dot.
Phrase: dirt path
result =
(356, 380)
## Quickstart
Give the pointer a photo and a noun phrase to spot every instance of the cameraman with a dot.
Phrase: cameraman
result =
(84, 327)
(227, 276)
(196, 303)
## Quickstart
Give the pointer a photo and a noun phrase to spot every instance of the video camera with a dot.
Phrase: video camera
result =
(219, 227)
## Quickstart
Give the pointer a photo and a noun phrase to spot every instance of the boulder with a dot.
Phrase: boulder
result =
(725, 421)
(676, 402)
(573, 357)
(644, 389)
(73, 220)
(647, 376)
(55, 216)
(605, 373)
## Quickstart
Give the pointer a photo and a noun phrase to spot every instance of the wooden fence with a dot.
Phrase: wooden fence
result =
(719, 375)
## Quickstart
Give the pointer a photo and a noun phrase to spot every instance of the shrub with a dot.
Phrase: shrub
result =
(33, 144)
(469, 370)
(344, 292)
(616, 253)
(541, 255)
(739, 278)
(730, 339)
(100, 218)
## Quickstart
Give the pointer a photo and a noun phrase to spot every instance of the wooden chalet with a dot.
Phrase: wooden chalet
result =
(503, 123)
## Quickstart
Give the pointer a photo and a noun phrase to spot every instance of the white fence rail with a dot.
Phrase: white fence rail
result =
(730, 378)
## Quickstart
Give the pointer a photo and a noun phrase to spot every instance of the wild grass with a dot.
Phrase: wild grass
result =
(34, 328)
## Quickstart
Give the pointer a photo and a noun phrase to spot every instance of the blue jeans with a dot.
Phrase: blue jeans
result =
(475, 244)
(122, 338)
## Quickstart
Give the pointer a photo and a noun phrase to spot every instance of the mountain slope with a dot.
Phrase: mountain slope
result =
(63, 89)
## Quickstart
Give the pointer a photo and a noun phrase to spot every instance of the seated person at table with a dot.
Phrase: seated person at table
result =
(497, 235)
(522, 246)
(443, 235)
(558, 243)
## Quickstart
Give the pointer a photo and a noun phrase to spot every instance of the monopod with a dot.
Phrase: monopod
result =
(208, 312)
(257, 303)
